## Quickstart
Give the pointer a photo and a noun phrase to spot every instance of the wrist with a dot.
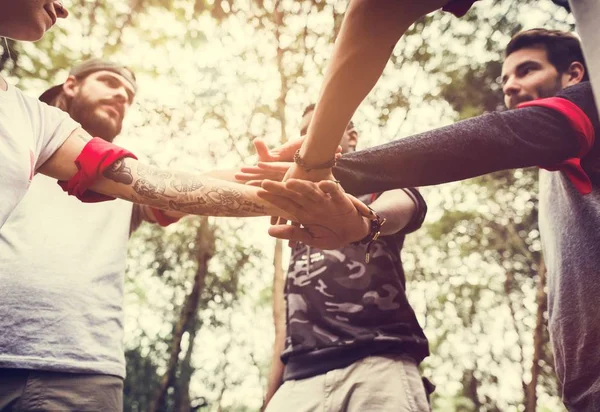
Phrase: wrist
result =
(314, 175)
(309, 165)
(364, 231)
(375, 222)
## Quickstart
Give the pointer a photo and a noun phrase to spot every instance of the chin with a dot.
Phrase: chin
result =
(33, 34)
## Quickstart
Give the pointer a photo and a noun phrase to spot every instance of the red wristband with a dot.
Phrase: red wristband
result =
(97, 156)
(582, 126)
(162, 218)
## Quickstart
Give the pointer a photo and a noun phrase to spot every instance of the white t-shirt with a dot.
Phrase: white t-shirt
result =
(62, 265)
(30, 132)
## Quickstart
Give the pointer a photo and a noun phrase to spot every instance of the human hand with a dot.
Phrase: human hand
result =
(254, 175)
(283, 153)
(275, 164)
(329, 217)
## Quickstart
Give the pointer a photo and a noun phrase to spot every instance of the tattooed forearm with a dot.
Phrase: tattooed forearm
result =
(221, 202)
(187, 185)
(249, 206)
(149, 171)
(119, 172)
(186, 193)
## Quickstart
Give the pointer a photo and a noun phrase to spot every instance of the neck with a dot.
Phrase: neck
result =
(3, 84)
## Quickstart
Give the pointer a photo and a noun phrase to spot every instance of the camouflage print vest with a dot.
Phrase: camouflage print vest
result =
(340, 309)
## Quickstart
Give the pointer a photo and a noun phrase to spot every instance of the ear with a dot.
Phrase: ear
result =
(71, 86)
(573, 75)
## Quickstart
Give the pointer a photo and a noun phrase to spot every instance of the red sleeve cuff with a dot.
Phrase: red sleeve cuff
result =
(458, 7)
(97, 156)
(161, 217)
(582, 126)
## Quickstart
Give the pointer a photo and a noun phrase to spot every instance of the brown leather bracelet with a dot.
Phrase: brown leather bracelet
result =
(300, 162)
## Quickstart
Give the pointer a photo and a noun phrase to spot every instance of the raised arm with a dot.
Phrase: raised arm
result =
(531, 136)
(131, 180)
(369, 32)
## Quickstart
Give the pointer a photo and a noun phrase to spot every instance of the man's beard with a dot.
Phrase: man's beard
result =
(542, 92)
(83, 111)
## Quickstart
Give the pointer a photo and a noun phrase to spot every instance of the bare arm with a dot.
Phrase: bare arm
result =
(180, 192)
(397, 207)
(367, 37)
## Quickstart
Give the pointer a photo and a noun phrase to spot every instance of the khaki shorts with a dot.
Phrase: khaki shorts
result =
(372, 384)
(35, 390)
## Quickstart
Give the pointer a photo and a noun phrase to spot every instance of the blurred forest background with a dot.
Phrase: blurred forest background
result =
(214, 74)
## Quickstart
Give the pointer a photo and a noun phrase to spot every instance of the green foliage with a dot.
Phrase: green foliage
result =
(141, 382)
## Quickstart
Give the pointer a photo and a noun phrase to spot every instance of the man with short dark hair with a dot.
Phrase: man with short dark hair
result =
(368, 34)
(537, 52)
(558, 134)
(352, 340)
(62, 268)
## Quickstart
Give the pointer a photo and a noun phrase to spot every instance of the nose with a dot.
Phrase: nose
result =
(511, 87)
(121, 96)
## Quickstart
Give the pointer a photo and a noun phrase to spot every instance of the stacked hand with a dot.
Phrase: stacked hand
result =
(327, 218)
(277, 164)
(324, 216)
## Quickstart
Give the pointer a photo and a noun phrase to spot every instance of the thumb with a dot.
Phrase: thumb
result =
(262, 150)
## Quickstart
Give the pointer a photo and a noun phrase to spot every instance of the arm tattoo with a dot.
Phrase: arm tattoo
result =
(221, 202)
(119, 172)
(183, 193)
(184, 185)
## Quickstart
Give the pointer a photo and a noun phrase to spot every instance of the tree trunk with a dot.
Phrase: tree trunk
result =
(538, 339)
(182, 391)
(205, 246)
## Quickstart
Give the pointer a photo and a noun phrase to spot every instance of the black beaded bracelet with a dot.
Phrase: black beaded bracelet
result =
(300, 162)
(374, 232)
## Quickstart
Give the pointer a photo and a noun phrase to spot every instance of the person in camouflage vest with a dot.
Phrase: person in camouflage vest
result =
(352, 341)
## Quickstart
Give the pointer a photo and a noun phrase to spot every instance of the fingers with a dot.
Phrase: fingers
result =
(333, 189)
(262, 167)
(247, 176)
(306, 189)
(288, 150)
(280, 190)
(281, 202)
(263, 171)
(291, 233)
(361, 207)
(262, 150)
(252, 169)
(339, 197)
(275, 166)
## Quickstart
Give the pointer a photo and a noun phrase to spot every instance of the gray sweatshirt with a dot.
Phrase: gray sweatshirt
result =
(569, 221)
